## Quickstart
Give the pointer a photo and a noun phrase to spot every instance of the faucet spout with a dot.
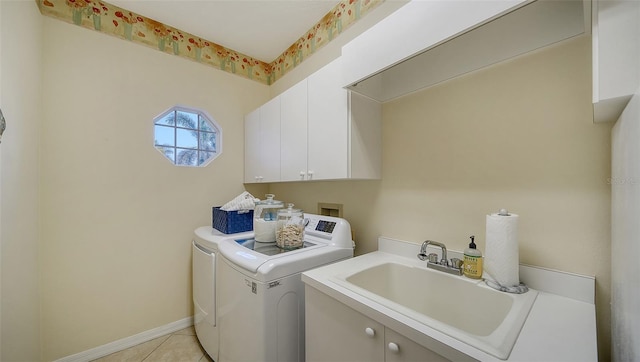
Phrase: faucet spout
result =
(455, 267)
(423, 251)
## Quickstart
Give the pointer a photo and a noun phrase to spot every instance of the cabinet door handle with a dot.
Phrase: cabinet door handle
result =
(393, 347)
(370, 332)
(310, 174)
(302, 174)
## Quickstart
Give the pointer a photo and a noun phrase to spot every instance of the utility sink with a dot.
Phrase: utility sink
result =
(462, 308)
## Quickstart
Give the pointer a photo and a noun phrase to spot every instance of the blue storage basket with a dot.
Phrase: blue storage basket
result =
(231, 222)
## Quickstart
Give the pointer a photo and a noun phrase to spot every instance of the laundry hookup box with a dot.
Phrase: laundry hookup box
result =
(231, 222)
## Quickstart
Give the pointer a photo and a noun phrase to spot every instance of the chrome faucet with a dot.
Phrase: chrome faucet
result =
(423, 251)
(432, 259)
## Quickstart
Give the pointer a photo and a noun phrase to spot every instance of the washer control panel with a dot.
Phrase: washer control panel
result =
(330, 228)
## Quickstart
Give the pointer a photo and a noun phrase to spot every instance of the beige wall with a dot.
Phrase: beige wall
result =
(625, 236)
(333, 49)
(517, 135)
(117, 217)
(20, 69)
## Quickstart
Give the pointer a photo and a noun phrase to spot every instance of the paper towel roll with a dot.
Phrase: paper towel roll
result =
(501, 260)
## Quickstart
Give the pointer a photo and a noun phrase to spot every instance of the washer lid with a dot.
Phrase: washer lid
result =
(209, 238)
(250, 255)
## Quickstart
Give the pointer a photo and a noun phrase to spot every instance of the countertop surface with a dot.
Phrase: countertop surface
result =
(558, 328)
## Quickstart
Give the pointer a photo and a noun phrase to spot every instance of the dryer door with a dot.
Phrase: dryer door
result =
(204, 285)
(204, 299)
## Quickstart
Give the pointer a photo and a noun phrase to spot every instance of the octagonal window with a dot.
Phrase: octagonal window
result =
(187, 136)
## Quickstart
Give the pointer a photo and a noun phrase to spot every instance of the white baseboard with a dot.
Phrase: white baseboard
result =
(128, 342)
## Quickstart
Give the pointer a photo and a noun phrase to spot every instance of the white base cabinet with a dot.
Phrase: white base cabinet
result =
(335, 332)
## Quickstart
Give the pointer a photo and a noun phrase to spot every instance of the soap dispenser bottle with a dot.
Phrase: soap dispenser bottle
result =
(472, 265)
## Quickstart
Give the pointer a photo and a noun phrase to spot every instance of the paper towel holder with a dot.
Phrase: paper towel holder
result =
(492, 282)
(517, 289)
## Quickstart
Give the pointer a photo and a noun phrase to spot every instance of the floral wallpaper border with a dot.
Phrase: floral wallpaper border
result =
(110, 19)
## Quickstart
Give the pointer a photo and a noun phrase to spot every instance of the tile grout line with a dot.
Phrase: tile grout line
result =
(163, 342)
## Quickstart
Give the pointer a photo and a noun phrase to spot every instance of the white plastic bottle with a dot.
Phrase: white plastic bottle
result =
(472, 264)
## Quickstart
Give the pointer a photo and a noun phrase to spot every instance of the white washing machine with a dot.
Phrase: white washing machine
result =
(260, 294)
(205, 257)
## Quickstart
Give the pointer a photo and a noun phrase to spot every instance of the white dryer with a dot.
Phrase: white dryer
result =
(260, 293)
(205, 257)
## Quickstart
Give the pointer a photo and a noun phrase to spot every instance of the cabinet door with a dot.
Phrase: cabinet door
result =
(399, 348)
(365, 137)
(335, 332)
(270, 141)
(293, 132)
(252, 146)
(328, 124)
(616, 54)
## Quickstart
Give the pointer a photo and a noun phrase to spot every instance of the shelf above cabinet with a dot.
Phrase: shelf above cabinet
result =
(428, 42)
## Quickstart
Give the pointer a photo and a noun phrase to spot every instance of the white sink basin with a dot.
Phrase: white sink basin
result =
(462, 308)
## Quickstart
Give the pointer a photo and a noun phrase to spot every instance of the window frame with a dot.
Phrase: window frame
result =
(201, 115)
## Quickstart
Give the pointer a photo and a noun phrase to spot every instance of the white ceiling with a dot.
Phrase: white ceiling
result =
(262, 29)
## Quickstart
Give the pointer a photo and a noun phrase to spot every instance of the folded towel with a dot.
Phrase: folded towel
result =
(243, 202)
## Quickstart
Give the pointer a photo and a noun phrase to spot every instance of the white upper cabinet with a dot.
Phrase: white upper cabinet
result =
(262, 143)
(293, 132)
(324, 132)
(328, 123)
(270, 140)
(252, 146)
(427, 42)
(616, 55)
(345, 130)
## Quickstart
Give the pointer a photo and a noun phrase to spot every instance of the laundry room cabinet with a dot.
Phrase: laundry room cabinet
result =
(293, 132)
(425, 43)
(262, 143)
(335, 332)
(345, 129)
(324, 133)
(616, 53)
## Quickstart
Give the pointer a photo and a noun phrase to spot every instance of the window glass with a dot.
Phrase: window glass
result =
(165, 136)
(167, 120)
(187, 137)
(204, 125)
(208, 141)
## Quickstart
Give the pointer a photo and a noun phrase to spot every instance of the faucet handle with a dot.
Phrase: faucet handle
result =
(433, 258)
(456, 263)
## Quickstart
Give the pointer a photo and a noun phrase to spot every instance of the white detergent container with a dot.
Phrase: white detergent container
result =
(264, 219)
(260, 293)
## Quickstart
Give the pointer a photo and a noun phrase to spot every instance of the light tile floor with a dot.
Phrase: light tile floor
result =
(180, 346)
